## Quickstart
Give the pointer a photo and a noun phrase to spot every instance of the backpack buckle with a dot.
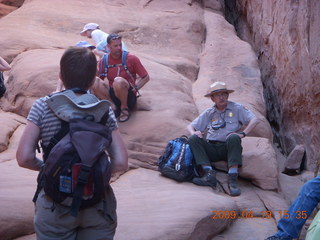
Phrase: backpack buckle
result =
(178, 166)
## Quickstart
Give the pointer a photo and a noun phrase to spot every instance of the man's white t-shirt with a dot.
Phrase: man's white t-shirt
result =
(98, 36)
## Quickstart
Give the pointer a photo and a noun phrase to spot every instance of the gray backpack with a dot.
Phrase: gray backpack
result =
(77, 169)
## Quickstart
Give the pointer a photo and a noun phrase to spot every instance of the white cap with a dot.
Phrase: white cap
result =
(89, 26)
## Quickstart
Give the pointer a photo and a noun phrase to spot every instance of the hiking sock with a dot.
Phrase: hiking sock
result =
(233, 170)
(206, 168)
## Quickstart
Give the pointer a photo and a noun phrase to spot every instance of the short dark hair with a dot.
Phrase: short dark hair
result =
(113, 36)
(78, 68)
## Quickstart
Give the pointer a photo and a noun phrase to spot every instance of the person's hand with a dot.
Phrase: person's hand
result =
(198, 134)
(240, 135)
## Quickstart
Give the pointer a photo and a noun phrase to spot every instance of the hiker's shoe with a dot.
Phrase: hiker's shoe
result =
(233, 184)
(208, 179)
(273, 238)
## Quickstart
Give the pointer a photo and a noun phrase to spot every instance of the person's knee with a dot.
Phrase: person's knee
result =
(120, 83)
(194, 139)
(311, 185)
(234, 138)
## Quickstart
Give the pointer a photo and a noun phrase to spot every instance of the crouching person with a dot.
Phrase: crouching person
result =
(53, 219)
(223, 140)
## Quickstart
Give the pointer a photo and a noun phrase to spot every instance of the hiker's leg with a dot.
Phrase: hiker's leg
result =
(120, 87)
(234, 151)
(100, 89)
(132, 99)
(99, 221)
(293, 220)
(201, 150)
(53, 221)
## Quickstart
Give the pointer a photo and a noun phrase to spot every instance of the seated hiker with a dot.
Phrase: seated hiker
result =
(290, 225)
(223, 141)
(121, 69)
(92, 30)
(52, 220)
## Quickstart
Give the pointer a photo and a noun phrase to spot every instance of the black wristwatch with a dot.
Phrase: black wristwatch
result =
(243, 133)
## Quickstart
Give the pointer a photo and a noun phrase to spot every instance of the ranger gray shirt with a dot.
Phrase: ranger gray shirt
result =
(221, 124)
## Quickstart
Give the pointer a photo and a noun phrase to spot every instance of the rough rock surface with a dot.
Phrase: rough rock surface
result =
(185, 47)
(285, 36)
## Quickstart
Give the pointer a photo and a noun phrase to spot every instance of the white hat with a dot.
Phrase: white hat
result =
(89, 26)
(67, 105)
(217, 87)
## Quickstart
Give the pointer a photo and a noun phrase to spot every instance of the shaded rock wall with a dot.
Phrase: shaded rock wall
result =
(185, 47)
(8, 6)
(285, 36)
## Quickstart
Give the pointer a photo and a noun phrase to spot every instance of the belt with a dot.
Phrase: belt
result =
(215, 142)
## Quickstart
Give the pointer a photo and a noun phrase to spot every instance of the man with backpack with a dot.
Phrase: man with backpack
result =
(89, 128)
(121, 68)
(223, 123)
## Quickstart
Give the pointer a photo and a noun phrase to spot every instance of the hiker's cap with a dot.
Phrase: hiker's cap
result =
(89, 26)
(67, 105)
(85, 44)
(218, 87)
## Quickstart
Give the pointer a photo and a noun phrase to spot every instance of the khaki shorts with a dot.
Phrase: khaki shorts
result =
(53, 221)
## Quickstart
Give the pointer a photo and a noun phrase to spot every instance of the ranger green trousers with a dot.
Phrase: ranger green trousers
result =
(206, 152)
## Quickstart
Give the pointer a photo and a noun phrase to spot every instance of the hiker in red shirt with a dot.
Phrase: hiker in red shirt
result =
(121, 69)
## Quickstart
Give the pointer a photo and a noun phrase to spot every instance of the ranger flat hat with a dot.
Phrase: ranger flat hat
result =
(218, 87)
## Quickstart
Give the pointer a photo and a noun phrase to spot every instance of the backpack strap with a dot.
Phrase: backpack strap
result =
(78, 192)
(88, 159)
(55, 139)
(46, 150)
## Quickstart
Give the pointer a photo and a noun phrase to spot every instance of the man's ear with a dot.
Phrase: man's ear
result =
(60, 77)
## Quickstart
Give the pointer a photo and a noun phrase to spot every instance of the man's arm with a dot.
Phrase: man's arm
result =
(26, 152)
(251, 125)
(253, 122)
(193, 131)
(98, 53)
(4, 66)
(142, 81)
(118, 153)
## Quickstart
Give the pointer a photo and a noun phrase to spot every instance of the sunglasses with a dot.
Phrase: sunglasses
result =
(219, 125)
(113, 36)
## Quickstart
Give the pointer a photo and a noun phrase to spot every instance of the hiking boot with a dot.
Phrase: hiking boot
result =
(208, 179)
(233, 184)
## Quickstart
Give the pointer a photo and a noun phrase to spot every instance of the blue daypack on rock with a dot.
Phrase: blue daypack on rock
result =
(177, 161)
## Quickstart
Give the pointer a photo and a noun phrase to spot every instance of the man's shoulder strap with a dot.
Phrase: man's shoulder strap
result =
(124, 58)
(55, 139)
(104, 63)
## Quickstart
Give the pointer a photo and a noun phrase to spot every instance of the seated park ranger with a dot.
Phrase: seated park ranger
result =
(223, 122)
